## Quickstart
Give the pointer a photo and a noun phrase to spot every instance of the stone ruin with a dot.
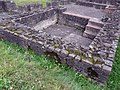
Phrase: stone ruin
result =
(82, 34)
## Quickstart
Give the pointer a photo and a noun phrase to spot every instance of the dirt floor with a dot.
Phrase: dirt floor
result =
(69, 34)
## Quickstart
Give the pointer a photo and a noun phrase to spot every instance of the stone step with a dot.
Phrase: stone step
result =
(92, 28)
(89, 35)
(95, 22)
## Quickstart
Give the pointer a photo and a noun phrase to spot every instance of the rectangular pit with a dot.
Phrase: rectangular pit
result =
(64, 25)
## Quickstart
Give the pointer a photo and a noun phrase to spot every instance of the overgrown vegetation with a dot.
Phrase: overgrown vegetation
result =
(23, 2)
(21, 69)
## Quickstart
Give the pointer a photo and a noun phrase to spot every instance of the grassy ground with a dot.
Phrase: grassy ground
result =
(21, 69)
(23, 2)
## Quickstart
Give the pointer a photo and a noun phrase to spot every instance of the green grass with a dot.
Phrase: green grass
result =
(21, 69)
(23, 2)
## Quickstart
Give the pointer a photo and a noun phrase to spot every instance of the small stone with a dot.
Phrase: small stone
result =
(107, 68)
(107, 44)
(57, 50)
(51, 48)
(71, 56)
(64, 52)
(77, 58)
(111, 55)
(110, 59)
(46, 46)
(41, 43)
(108, 63)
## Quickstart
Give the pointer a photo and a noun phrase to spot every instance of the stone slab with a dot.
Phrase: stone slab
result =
(86, 11)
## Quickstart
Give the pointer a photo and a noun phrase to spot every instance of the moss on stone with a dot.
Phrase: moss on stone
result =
(76, 52)
(69, 51)
(99, 62)
(83, 57)
(91, 60)
(56, 46)
(95, 62)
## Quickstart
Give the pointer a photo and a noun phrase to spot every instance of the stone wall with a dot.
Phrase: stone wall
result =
(10, 6)
(41, 42)
(2, 6)
(98, 4)
(105, 43)
(91, 4)
(29, 7)
(55, 3)
(112, 2)
(73, 20)
(34, 18)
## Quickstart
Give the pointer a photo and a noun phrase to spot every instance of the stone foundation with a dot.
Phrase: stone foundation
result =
(90, 55)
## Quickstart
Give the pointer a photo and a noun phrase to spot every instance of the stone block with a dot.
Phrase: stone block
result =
(71, 56)
(2, 6)
(108, 63)
(10, 6)
(36, 47)
(22, 41)
(86, 66)
(70, 62)
(64, 53)
(50, 49)
(57, 50)
(78, 65)
(1, 33)
(106, 70)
